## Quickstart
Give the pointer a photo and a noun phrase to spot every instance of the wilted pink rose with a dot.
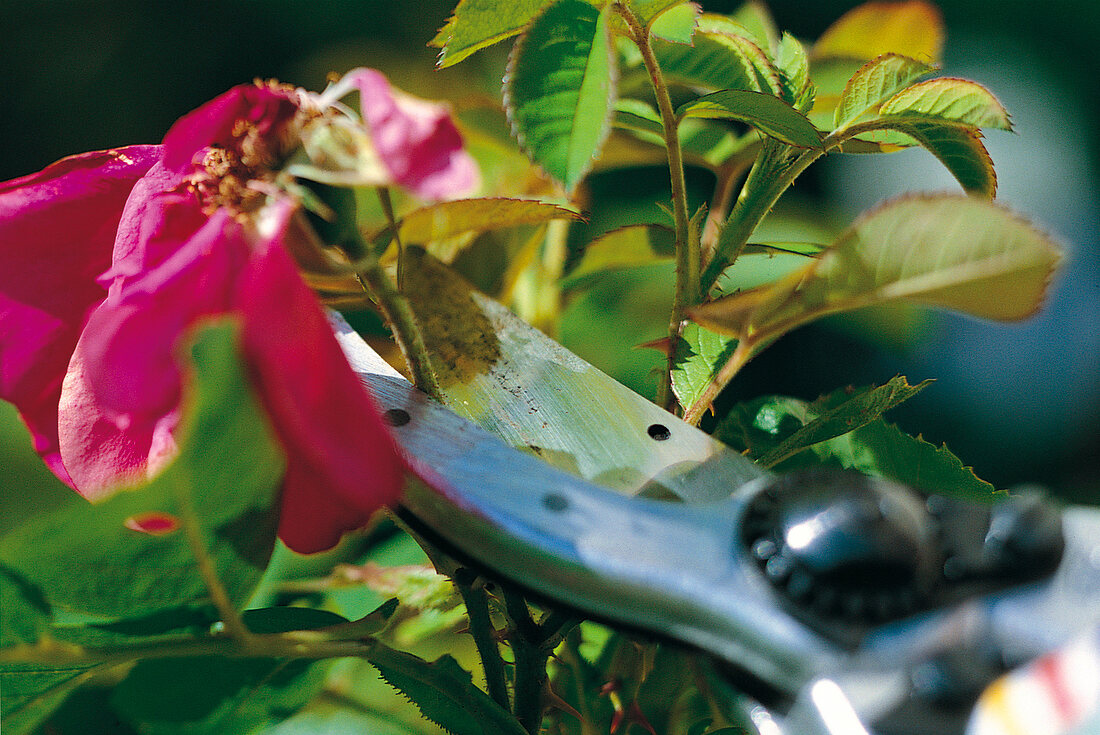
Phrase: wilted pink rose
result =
(107, 258)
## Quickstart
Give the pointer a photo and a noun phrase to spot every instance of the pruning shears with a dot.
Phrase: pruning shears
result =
(840, 604)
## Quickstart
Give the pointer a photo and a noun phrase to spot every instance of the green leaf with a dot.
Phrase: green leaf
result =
(961, 253)
(24, 611)
(559, 90)
(639, 117)
(480, 23)
(949, 100)
(33, 692)
(768, 114)
(913, 28)
(722, 56)
(625, 247)
(829, 77)
(805, 249)
(699, 354)
(958, 147)
(853, 412)
(445, 694)
(758, 426)
(794, 73)
(874, 83)
(703, 142)
(669, 20)
(215, 694)
(877, 448)
(88, 557)
(448, 219)
(326, 717)
(884, 450)
(170, 623)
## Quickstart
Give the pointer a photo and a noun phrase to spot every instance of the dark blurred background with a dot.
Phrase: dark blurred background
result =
(1019, 402)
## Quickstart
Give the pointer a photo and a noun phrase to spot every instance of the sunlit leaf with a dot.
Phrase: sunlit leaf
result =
(768, 114)
(447, 219)
(722, 56)
(958, 147)
(850, 413)
(961, 253)
(674, 20)
(875, 82)
(950, 100)
(699, 354)
(912, 28)
(86, 558)
(559, 90)
(830, 77)
(480, 23)
(625, 247)
(794, 72)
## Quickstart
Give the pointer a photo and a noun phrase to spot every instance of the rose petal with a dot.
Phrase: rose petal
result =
(129, 343)
(312, 520)
(417, 139)
(56, 230)
(342, 461)
(266, 108)
(154, 222)
(98, 453)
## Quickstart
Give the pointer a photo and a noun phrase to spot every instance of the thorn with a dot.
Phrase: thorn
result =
(553, 700)
(632, 715)
(661, 345)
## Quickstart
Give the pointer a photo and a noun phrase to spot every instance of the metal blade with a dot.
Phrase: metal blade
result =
(669, 567)
(514, 381)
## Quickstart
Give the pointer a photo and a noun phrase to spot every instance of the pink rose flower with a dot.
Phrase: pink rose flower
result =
(108, 258)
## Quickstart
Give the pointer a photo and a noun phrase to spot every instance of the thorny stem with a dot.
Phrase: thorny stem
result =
(554, 626)
(476, 600)
(687, 253)
(481, 630)
(402, 322)
(530, 655)
(719, 207)
(766, 182)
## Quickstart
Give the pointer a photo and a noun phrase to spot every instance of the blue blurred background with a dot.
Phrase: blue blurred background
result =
(1019, 402)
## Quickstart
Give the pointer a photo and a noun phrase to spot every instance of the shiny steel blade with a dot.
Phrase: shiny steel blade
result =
(511, 379)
